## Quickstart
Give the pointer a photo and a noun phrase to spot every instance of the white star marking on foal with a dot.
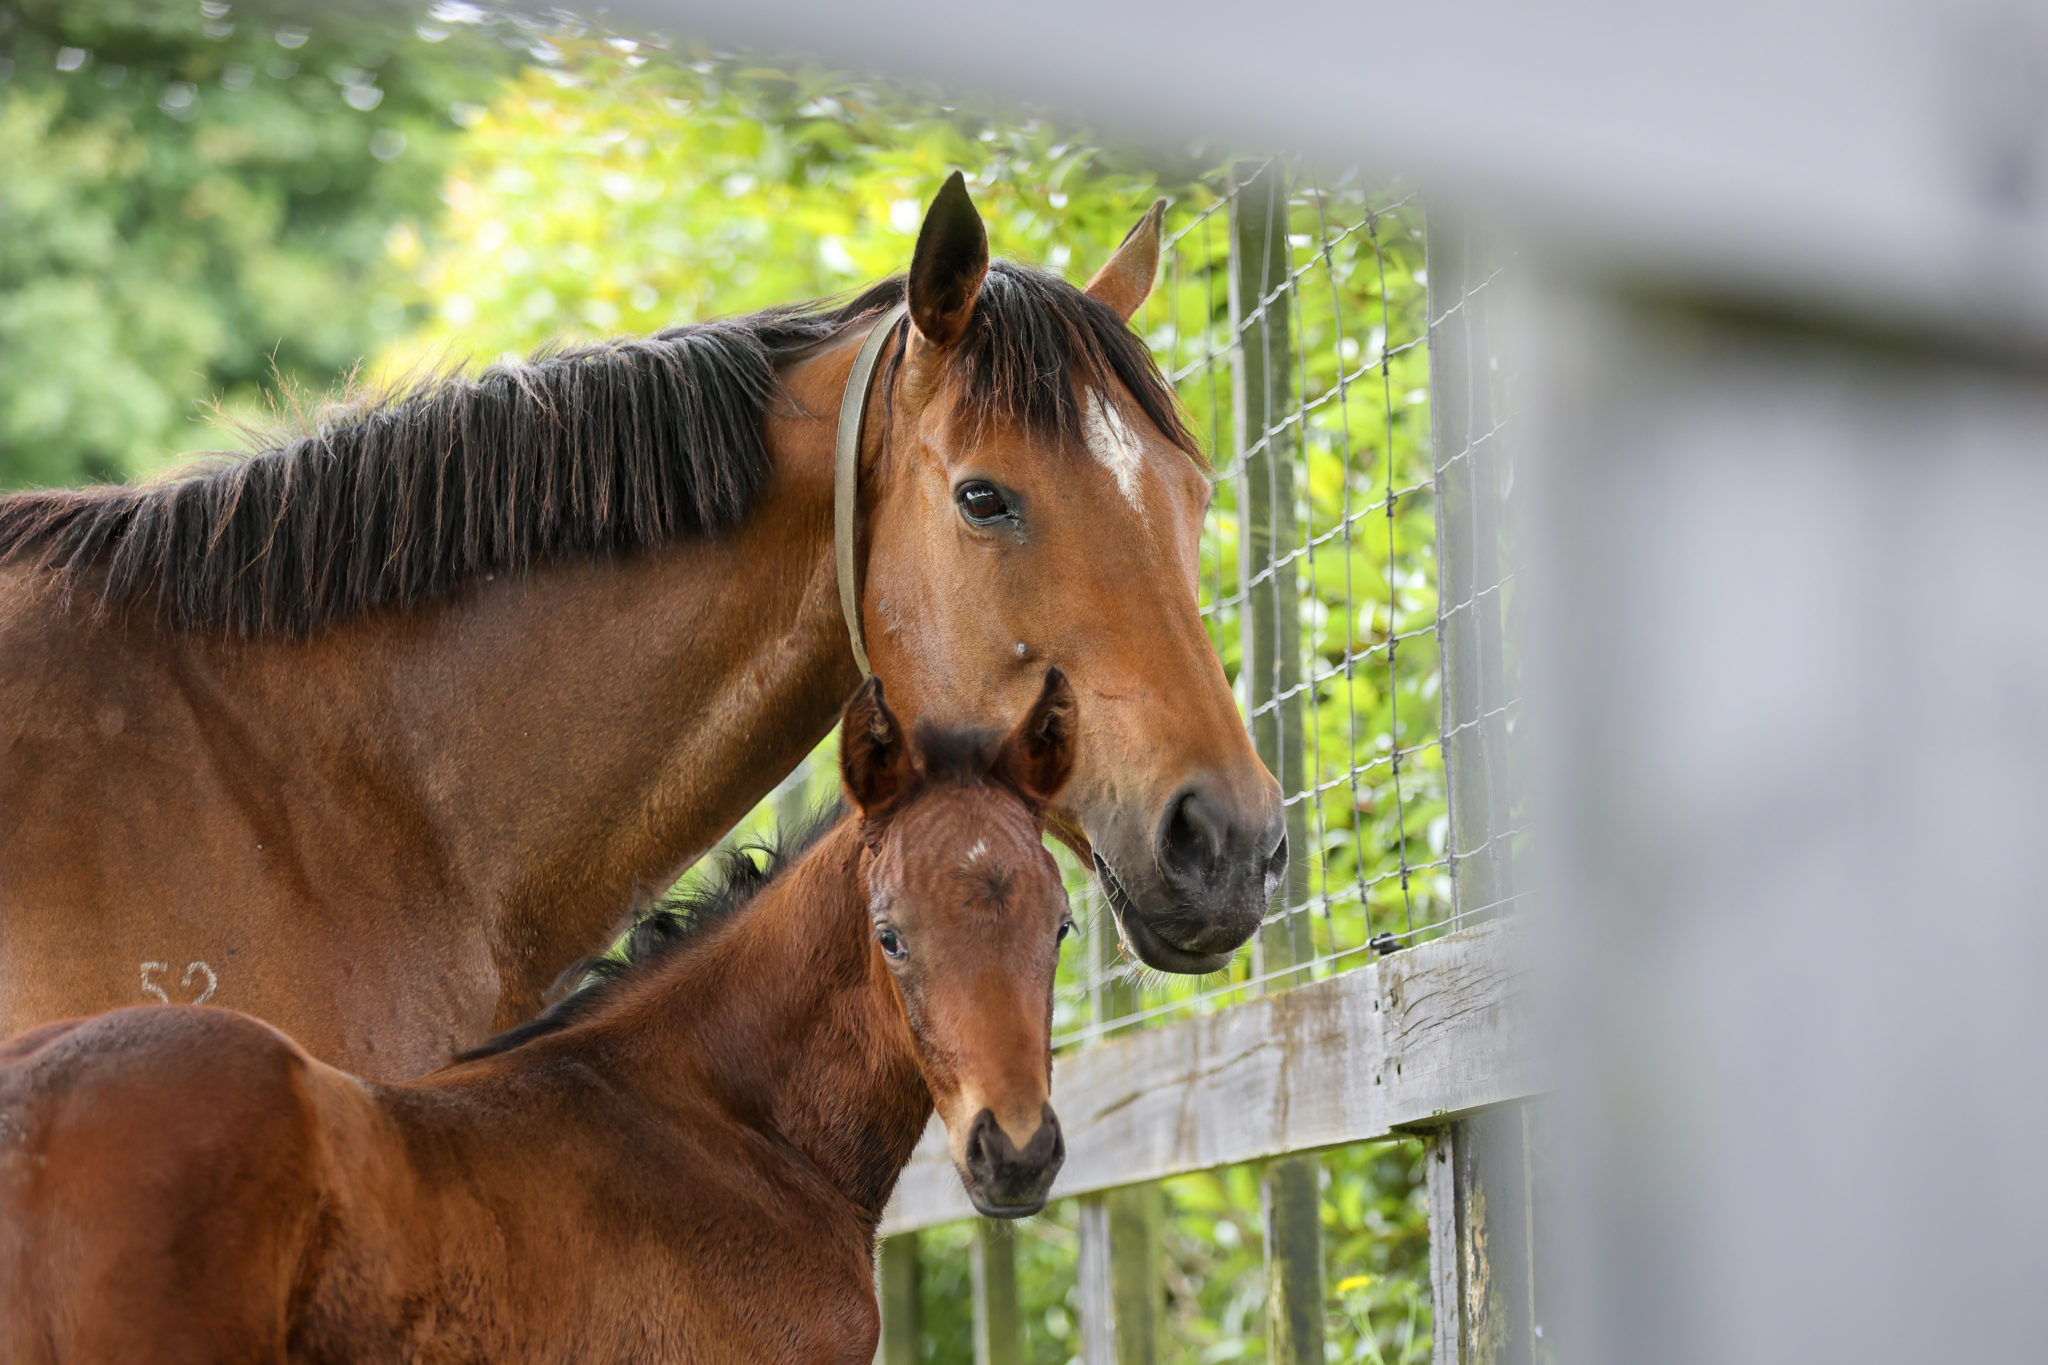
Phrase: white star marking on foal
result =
(1111, 440)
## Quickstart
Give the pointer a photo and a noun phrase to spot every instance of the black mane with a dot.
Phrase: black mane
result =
(670, 925)
(593, 451)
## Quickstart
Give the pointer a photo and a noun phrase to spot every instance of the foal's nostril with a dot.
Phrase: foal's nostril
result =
(988, 1148)
(977, 1141)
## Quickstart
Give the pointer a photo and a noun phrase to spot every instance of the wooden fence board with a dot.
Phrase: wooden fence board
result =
(1424, 1035)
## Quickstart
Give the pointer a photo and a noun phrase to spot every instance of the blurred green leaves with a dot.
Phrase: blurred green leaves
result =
(1375, 1251)
(615, 188)
(193, 196)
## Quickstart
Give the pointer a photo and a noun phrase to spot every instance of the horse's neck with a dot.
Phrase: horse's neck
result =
(787, 1022)
(584, 731)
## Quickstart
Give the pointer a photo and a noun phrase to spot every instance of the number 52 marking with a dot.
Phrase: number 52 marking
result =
(192, 969)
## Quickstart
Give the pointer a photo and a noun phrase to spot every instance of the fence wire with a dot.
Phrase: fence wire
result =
(1348, 545)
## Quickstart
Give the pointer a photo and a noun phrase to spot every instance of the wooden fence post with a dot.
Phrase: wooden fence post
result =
(1290, 1195)
(1481, 1221)
(897, 1276)
(1481, 1240)
(1263, 385)
(1123, 1282)
(1095, 1303)
(998, 1332)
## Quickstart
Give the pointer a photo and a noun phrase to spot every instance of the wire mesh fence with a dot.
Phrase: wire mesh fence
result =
(1306, 365)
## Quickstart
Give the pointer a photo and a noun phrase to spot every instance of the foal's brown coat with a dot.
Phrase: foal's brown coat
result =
(389, 828)
(687, 1166)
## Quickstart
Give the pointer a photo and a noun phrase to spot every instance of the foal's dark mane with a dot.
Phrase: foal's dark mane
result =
(685, 918)
(593, 451)
(678, 920)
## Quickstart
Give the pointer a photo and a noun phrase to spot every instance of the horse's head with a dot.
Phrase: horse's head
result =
(1035, 499)
(968, 912)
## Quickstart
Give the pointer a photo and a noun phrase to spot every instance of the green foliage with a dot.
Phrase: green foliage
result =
(1375, 1252)
(614, 188)
(191, 196)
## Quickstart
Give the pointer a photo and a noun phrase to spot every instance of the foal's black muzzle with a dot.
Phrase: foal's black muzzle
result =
(1003, 1180)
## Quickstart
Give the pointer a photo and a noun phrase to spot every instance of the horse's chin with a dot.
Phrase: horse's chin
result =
(1150, 946)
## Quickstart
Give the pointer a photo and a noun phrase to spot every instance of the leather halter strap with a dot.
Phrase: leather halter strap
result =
(853, 407)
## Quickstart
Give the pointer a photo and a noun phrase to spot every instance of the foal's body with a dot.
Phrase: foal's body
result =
(395, 1222)
(685, 1165)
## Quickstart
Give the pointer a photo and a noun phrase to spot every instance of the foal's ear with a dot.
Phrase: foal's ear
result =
(1126, 279)
(947, 269)
(1037, 756)
(873, 759)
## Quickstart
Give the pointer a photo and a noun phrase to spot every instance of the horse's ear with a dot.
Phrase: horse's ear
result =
(1126, 279)
(1038, 756)
(874, 761)
(947, 269)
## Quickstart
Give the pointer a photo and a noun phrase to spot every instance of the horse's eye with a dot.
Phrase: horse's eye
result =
(892, 943)
(982, 503)
(1066, 927)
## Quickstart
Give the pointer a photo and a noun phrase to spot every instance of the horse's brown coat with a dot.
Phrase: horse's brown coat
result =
(391, 835)
(690, 1170)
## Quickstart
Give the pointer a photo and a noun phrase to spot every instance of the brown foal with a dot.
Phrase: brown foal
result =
(373, 734)
(684, 1162)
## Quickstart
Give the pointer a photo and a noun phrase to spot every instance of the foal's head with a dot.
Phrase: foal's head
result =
(968, 912)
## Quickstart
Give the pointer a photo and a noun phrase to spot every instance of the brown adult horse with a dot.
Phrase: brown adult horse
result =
(685, 1163)
(373, 734)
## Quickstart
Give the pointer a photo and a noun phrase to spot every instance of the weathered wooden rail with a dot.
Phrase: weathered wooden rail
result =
(1414, 1040)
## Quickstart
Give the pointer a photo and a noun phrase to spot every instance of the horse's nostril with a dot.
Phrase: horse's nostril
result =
(1183, 840)
(1276, 862)
(1190, 838)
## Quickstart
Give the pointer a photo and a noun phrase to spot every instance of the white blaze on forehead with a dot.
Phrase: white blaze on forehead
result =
(979, 851)
(1111, 440)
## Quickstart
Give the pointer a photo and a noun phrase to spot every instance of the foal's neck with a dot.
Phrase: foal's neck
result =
(787, 1021)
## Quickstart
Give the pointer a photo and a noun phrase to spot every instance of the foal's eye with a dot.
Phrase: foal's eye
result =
(982, 503)
(892, 943)
(1066, 927)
